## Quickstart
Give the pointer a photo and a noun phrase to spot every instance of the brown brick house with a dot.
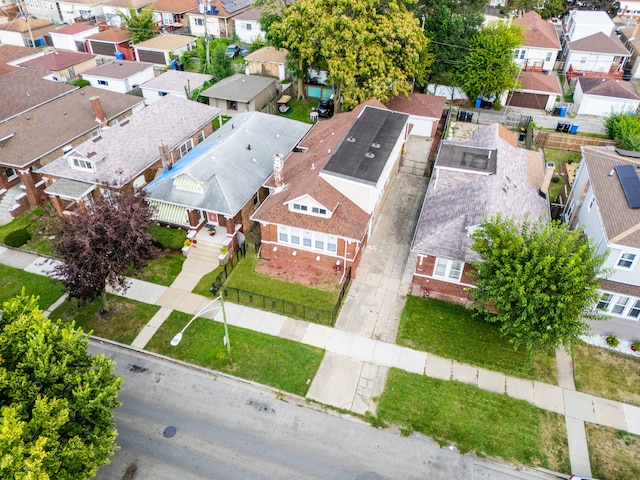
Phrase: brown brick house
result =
(32, 139)
(325, 195)
(472, 180)
(129, 154)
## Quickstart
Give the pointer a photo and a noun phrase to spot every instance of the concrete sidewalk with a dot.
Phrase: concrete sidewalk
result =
(356, 364)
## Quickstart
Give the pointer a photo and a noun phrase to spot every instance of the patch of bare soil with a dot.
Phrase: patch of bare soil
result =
(303, 274)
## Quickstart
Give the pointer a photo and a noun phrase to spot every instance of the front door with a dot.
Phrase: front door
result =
(212, 218)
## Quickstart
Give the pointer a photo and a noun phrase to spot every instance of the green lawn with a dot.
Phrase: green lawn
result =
(122, 324)
(30, 221)
(451, 331)
(162, 270)
(13, 279)
(205, 282)
(273, 361)
(559, 157)
(300, 109)
(168, 238)
(475, 420)
(607, 374)
(244, 277)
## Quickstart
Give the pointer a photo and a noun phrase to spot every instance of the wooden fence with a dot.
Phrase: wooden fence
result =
(567, 141)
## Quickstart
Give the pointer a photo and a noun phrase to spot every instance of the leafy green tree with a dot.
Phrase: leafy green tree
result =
(100, 245)
(609, 6)
(221, 66)
(540, 279)
(371, 48)
(56, 401)
(551, 8)
(489, 68)
(450, 34)
(625, 129)
(142, 24)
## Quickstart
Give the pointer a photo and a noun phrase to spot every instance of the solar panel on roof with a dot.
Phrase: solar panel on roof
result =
(630, 184)
(232, 6)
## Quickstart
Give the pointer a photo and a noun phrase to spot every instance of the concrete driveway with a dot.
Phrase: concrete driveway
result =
(375, 300)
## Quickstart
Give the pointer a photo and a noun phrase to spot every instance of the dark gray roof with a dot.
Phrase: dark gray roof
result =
(234, 5)
(462, 157)
(364, 152)
(71, 189)
(224, 172)
(239, 87)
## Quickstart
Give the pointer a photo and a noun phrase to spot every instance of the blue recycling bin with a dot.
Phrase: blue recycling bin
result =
(478, 102)
(118, 55)
(563, 111)
(574, 128)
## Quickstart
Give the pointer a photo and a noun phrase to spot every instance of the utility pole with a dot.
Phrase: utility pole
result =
(26, 19)
(207, 3)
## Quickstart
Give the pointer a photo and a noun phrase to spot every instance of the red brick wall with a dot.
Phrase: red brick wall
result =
(284, 254)
(440, 289)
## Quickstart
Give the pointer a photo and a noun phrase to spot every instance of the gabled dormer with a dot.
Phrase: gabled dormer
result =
(187, 183)
(80, 161)
(308, 206)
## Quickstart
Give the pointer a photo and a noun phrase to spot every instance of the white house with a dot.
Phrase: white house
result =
(69, 10)
(603, 96)
(424, 112)
(159, 49)
(172, 82)
(119, 76)
(584, 23)
(605, 200)
(540, 46)
(247, 25)
(73, 37)
(218, 19)
(630, 37)
(629, 10)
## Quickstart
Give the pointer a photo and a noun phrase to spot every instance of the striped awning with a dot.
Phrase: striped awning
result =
(170, 213)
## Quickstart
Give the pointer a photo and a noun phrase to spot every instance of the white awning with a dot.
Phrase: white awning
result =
(170, 213)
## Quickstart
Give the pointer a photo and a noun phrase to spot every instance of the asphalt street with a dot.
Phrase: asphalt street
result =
(227, 428)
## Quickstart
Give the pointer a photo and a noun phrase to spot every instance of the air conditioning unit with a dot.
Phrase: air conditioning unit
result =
(130, 44)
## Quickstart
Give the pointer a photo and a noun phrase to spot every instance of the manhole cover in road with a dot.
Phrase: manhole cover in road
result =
(169, 432)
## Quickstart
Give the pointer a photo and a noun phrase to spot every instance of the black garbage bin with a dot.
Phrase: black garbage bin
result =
(566, 127)
(469, 116)
(559, 126)
(556, 111)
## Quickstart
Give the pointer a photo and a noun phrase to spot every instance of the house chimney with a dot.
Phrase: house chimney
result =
(165, 157)
(98, 112)
(278, 174)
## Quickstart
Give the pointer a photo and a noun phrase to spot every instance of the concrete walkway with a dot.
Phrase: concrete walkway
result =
(359, 351)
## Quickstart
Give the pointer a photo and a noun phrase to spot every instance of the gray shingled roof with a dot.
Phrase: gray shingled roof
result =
(119, 69)
(25, 89)
(239, 87)
(621, 222)
(228, 172)
(132, 146)
(459, 199)
(176, 81)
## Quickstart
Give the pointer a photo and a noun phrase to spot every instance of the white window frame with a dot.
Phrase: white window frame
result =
(548, 58)
(300, 207)
(183, 149)
(622, 258)
(307, 239)
(634, 310)
(620, 306)
(605, 301)
(13, 175)
(198, 22)
(103, 82)
(201, 136)
(82, 164)
(448, 269)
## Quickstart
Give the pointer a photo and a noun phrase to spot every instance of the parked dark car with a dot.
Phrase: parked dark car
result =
(325, 108)
(234, 51)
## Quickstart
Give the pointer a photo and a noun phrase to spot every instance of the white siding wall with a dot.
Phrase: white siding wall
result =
(592, 62)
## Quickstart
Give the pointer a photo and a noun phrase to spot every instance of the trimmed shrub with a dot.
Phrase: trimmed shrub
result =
(168, 238)
(17, 238)
(613, 341)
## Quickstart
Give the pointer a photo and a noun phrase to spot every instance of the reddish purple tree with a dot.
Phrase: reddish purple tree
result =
(100, 245)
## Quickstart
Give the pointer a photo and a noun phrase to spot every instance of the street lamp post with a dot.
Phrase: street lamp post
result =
(206, 309)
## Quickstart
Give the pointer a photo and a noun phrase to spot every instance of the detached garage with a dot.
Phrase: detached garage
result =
(603, 96)
(157, 49)
(537, 90)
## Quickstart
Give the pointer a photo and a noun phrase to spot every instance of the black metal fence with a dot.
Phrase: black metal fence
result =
(228, 268)
(283, 307)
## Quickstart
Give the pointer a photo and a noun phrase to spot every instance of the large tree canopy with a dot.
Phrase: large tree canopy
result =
(371, 49)
(142, 24)
(541, 279)
(56, 401)
(100, 245)
(489, 68)
(450, 25)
